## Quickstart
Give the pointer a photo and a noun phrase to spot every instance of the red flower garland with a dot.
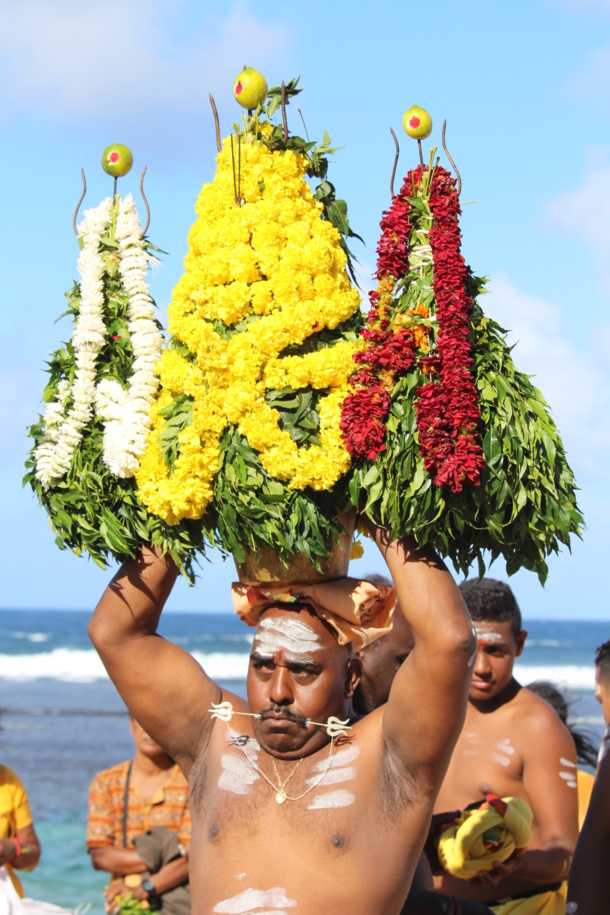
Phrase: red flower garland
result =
(447, 410)
(389, 352)
(447, 405)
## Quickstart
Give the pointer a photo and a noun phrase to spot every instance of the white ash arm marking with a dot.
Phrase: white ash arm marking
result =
(569, 775)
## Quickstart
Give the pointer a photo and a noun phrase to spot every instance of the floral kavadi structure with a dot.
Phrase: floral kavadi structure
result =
(264, 323)
(272, 408)
(451, 444)
(98, 400)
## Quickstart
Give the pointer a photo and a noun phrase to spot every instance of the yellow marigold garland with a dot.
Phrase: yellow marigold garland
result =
(276, 261)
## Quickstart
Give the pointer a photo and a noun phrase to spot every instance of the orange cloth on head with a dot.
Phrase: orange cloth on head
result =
(358, 611)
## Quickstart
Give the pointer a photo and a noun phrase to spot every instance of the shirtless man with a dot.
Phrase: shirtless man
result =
(285, 817)
(512, 744)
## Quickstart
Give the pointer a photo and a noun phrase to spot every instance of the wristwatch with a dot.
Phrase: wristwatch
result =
(149, 888)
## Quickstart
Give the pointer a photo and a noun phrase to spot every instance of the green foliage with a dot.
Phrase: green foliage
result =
(129, 905)
(526, 504)
(91, 510)
(254, 511)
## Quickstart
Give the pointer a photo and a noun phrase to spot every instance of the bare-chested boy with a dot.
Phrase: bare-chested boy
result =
(285, 819)
(514, 744)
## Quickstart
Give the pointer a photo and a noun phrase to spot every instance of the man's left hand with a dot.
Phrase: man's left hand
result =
(500, 870)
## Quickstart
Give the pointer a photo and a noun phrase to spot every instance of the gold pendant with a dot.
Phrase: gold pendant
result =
(280, 797)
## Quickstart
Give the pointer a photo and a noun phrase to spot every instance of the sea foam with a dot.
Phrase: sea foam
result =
(84, 666)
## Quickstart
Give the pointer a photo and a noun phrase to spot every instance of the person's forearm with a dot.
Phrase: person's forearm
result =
(173, 874)
(545, 865)
(429, 598)
(117, 860)
(133, 601)
(25, 856)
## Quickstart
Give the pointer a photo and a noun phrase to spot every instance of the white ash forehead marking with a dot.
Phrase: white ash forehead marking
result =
(571, 908)
(286, 634)
(237, 774)
(341, 758)
(567, 762)
(253, 901)
(331, 800)
(488, 635)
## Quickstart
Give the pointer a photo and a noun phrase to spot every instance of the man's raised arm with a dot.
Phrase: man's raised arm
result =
(425, 711)
(163, 686)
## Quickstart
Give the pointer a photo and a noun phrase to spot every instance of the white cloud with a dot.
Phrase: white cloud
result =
(575, 382)
(585, 209)
(80, 62)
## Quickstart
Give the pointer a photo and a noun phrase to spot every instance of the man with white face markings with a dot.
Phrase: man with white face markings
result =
(512, 744)
(295, 807)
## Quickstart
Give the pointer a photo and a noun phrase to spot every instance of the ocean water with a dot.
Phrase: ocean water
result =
(63, 721)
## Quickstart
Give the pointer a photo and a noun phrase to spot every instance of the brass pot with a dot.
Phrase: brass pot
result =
(266, 567)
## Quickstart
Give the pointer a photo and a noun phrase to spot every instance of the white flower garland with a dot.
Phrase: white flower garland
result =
(62, 433)
(125, 411)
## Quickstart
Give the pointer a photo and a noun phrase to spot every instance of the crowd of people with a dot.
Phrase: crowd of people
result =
(375, 767)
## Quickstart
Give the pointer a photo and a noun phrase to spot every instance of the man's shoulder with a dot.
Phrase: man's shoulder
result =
(112, 776)
(9, 779)
(538, 720)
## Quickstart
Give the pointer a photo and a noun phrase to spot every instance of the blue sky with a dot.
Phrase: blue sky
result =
(524, 88)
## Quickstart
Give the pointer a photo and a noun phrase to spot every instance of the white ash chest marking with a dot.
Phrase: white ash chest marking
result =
(291, 635)
(474, 743)
(237, 774)
(503, 751)
(340, 771)
(256, 902)
(569, 773)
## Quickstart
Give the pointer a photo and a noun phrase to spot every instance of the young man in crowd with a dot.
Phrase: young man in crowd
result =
(295, 807)
(512, 744)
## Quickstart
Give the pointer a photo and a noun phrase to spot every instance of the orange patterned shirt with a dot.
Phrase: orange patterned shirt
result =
(169, 808)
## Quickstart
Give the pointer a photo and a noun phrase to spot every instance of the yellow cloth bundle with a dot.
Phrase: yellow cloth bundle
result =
(547, 903)
(484, 835)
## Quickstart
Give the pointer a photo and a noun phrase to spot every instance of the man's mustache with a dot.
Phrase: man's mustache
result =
(275, 711)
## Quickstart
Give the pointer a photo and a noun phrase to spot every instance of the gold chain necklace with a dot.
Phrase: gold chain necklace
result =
(281, 795)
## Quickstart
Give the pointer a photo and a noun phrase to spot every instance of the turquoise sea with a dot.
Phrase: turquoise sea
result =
(62, 720)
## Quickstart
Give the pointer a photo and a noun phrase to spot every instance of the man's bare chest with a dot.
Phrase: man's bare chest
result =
(243, 788)
(487, 759)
